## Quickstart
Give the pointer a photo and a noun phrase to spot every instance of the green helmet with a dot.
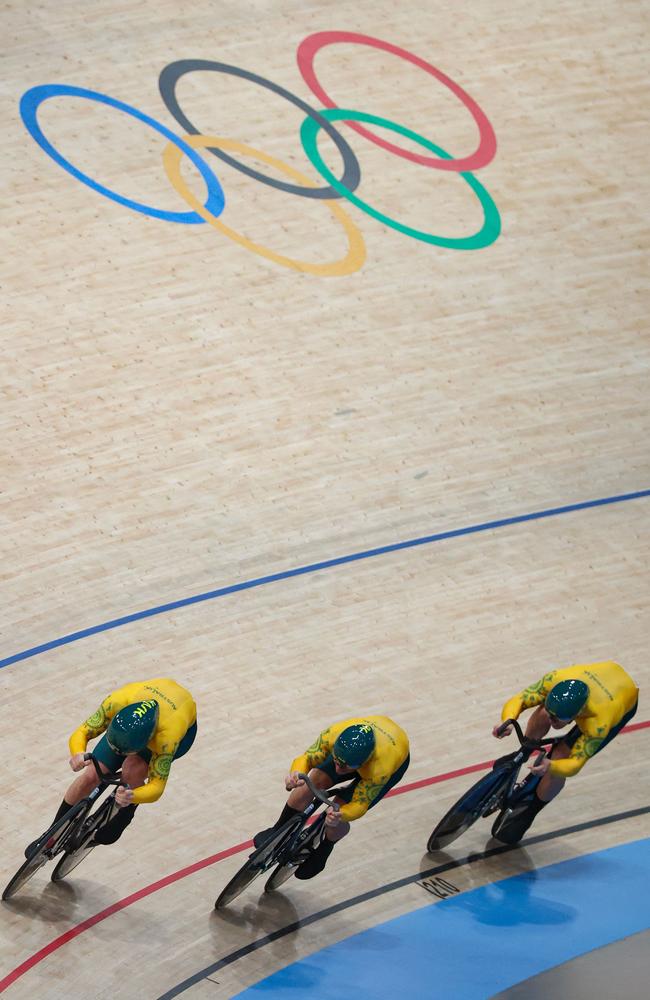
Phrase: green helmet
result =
(566, 699)
(132, 727)
(354, 745)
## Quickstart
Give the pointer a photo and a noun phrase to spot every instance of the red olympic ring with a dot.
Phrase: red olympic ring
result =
(487, 144)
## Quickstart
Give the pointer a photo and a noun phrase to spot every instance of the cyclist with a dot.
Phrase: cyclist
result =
(599, 698)
(146, 726)
(372, 751)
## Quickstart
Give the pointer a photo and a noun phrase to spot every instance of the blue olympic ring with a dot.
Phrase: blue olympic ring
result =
(33, 98)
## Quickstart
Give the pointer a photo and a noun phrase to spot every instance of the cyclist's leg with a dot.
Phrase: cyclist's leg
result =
(519, 816)
(135, 768)
(323, 776)
(134, 772)
(527, 798)
(540, 791)
(318, 859)
(82, 785)
(538, 724)
(550, 785)
(319, 854)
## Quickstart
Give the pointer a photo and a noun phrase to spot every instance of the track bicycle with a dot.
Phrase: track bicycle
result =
(498, 790)
(286, 848)
(72, 835)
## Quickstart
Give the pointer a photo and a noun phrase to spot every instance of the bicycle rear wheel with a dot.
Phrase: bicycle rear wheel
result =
(259, 861)
(281, 874)
(50, 844)
(81, 843)
(481, 798)
(289, 864)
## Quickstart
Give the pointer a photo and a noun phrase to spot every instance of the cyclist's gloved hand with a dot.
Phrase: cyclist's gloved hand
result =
(124, 796)
(506, 732)
(292, 781)
(77, 762)
(332, 818)
(540, 768)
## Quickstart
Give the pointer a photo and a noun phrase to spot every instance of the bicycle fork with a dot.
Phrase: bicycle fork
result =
(308, 840)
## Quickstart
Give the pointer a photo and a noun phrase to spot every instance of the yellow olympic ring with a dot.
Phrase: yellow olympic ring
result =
(352, 261)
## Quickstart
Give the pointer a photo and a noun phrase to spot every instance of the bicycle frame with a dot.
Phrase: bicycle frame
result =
(512, 762)
(105, 780)
(282, 847)
(64, 842)
(321, 798)
(493, 791)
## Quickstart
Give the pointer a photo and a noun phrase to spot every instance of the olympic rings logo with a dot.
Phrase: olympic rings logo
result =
(297, 184)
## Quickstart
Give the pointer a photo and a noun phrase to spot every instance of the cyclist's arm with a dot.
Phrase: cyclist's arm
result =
(530, 697)
(583, 748)
(315, 754)
(159, 768)
(94, 726)
(364, 795)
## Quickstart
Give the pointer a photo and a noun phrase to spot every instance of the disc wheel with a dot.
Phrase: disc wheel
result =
(481, 798)
(50, 844)
(81, 843)
(259, 861)
(246, 874)
(281, 874)
(289, 864)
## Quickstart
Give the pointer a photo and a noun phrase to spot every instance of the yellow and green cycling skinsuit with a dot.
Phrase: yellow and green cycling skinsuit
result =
(176, 715)
(613, 697)
(391, 753)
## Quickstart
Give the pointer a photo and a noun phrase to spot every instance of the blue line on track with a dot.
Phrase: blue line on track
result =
(314, 568)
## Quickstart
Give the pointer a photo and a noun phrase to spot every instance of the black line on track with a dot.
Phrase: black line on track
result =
(281, 932)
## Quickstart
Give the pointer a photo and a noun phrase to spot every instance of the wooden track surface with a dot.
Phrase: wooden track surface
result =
(180, 415)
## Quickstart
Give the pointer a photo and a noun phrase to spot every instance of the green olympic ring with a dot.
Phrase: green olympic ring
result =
(492, 220)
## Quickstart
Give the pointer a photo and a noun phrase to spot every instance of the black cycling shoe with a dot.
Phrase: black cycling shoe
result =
(111, 832)
(32, 848)
(263, 837)
(316, 861)
(511, 824)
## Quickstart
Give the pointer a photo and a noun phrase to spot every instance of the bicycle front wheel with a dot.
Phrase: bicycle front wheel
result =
(481, 797)
(246, 874)
(291, 860)
(81, 842)
(24, 873)
(259, 861)
(50, 844)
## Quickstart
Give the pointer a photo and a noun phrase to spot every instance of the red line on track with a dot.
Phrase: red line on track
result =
(121, 904)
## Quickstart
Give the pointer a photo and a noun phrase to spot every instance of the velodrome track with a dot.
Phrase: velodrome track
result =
(323, 415)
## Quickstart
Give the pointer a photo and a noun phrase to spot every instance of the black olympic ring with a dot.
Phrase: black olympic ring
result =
(167, 84)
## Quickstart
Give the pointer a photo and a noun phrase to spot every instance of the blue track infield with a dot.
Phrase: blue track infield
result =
(315, 567)
(471, 946)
